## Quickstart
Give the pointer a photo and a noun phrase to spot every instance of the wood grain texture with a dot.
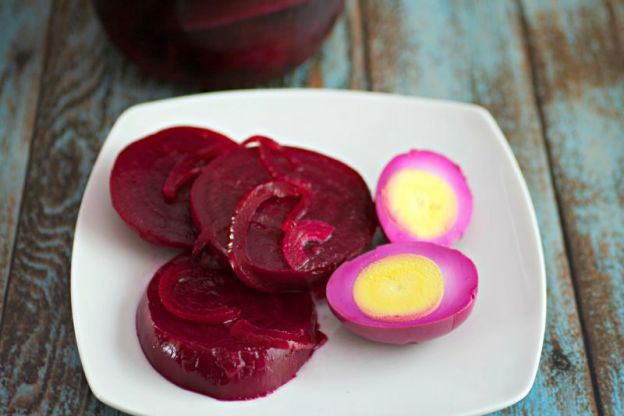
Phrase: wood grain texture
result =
(475, 51)
(85, 86)
(579, 63)
(22, 46)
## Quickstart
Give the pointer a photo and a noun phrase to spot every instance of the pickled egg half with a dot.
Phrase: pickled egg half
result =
(423, 196)
(404, 293)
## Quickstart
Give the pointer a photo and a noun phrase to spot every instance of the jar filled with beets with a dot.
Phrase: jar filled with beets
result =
(218, 43)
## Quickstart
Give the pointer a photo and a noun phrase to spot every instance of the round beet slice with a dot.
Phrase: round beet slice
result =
(151, 178)
(198, 294)
(287, 219)
(246, 356)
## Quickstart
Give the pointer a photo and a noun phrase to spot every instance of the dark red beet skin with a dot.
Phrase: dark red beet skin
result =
(287, 219)
(151, 178)
(247, 356)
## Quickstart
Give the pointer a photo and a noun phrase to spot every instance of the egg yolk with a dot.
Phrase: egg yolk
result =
(399, 288)
(420, 202)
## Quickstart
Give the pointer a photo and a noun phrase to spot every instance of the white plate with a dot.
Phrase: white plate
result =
(488, 363)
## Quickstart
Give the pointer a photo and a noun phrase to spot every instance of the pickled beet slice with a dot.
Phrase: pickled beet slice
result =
(299, 235)
(246, 331)
(189, 167)
(274, 157)
(250, 357)
(336, 196)
(151, 177)
(247, 207)
(197, 294)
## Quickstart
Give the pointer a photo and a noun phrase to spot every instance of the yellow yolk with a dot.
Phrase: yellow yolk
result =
(421, 203)
(399, 288)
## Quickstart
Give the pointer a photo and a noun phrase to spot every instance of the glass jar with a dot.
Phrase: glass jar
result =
(218, 43)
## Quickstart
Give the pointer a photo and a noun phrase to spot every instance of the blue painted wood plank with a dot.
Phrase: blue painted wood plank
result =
(475, 51)
(22, 44)
(579, 54)
(85, 86)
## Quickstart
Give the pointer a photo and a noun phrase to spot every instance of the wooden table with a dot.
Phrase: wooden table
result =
(551, 72)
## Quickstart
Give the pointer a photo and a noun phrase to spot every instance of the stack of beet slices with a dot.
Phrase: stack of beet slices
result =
(283, 217)
(206, 332)
(232, 317)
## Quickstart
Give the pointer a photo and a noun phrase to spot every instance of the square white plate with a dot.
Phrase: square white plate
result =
(488, 363)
